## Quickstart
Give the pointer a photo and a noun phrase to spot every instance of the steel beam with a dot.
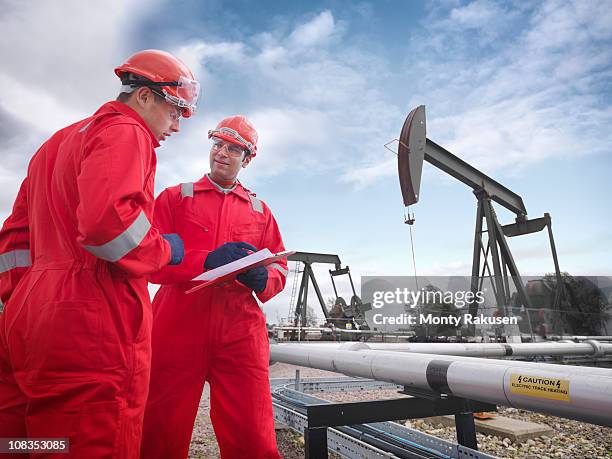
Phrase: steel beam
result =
(312, 257)
(472, 177)
(349, 413)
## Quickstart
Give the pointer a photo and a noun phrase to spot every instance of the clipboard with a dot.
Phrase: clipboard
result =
(229, 271)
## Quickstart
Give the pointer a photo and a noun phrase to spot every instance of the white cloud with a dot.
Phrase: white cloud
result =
(10, 182)
(474, 24)
(506, 104)
(58, 60)
(362, 177)
(44, 111)
(314, 32)
(313, 106)
(62, 52)
(196, 53)
(477, 14)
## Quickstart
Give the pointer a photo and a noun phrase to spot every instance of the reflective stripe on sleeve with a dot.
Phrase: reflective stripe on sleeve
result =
(15, 259)
(124, 243)
(187, 190)
(278, 267)
(256, 203)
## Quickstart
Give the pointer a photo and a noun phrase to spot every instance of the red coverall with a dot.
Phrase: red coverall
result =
(217, 334)
(75, 344)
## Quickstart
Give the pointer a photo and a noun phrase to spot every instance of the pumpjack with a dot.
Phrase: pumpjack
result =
(343, 314)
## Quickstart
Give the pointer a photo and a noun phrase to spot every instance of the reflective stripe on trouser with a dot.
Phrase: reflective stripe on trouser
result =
(75, 369)
(226, 343)
(124, 243)
(15, 259)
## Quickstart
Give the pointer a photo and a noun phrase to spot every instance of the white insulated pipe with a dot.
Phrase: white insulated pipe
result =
(561, 390)
(344, 330)
(360, 346)
(577, 337)
(485, 349)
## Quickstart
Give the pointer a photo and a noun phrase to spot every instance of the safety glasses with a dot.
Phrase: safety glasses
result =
(187, 94)
(228, 132)
(233, 150)
(187, 91)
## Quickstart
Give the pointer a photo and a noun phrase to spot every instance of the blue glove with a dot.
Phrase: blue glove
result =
(256, 278)
(228, 252)
(176, 246)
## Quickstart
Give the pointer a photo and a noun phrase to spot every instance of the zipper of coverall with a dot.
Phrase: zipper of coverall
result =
(214, 310)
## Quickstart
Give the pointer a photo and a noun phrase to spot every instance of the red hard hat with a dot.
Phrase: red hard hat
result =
(237, 130)
(159, 67)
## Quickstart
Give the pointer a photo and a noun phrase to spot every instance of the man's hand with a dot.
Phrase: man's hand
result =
(228, 252)
(256, 278)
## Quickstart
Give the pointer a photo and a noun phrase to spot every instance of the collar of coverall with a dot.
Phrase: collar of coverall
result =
(119, 107)
(225, 187)
(206, 184)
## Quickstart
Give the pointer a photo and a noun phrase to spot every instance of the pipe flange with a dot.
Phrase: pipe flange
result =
(598, 351)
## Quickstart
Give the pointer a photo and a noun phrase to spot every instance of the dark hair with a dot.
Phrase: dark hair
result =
(127, 78)
(124, 97)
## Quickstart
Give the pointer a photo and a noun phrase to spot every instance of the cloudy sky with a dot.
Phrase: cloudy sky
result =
(521, 90)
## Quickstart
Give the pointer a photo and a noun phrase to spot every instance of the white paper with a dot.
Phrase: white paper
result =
(234, 265)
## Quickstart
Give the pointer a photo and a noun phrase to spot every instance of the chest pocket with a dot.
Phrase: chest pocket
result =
(251, 233)
(198, 231)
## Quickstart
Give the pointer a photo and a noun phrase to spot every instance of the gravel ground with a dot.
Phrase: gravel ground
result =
(290, 444)
(572, 439)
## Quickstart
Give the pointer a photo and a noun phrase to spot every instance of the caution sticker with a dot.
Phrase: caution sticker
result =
(540, 387)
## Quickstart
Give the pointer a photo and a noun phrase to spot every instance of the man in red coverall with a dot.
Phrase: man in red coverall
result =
(216, 334)
(75, 335)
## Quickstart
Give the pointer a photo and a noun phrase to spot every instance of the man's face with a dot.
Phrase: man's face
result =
(162, 117)
(226, 159)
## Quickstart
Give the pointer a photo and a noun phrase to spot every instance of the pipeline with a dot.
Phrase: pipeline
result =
(574, 337)
(574, 392)
(339, 330)
(590, 347)
(360, 346)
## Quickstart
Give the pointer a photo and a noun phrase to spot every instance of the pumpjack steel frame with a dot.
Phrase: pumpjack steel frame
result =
(308, 259)
(414, 148)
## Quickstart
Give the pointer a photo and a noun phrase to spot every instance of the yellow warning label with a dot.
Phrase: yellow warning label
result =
(541, 387)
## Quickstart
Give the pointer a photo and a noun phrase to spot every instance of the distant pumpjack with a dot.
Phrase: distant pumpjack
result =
(341, 312)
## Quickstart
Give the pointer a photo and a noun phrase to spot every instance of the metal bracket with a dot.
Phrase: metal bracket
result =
(321, 416)
(372, 440)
